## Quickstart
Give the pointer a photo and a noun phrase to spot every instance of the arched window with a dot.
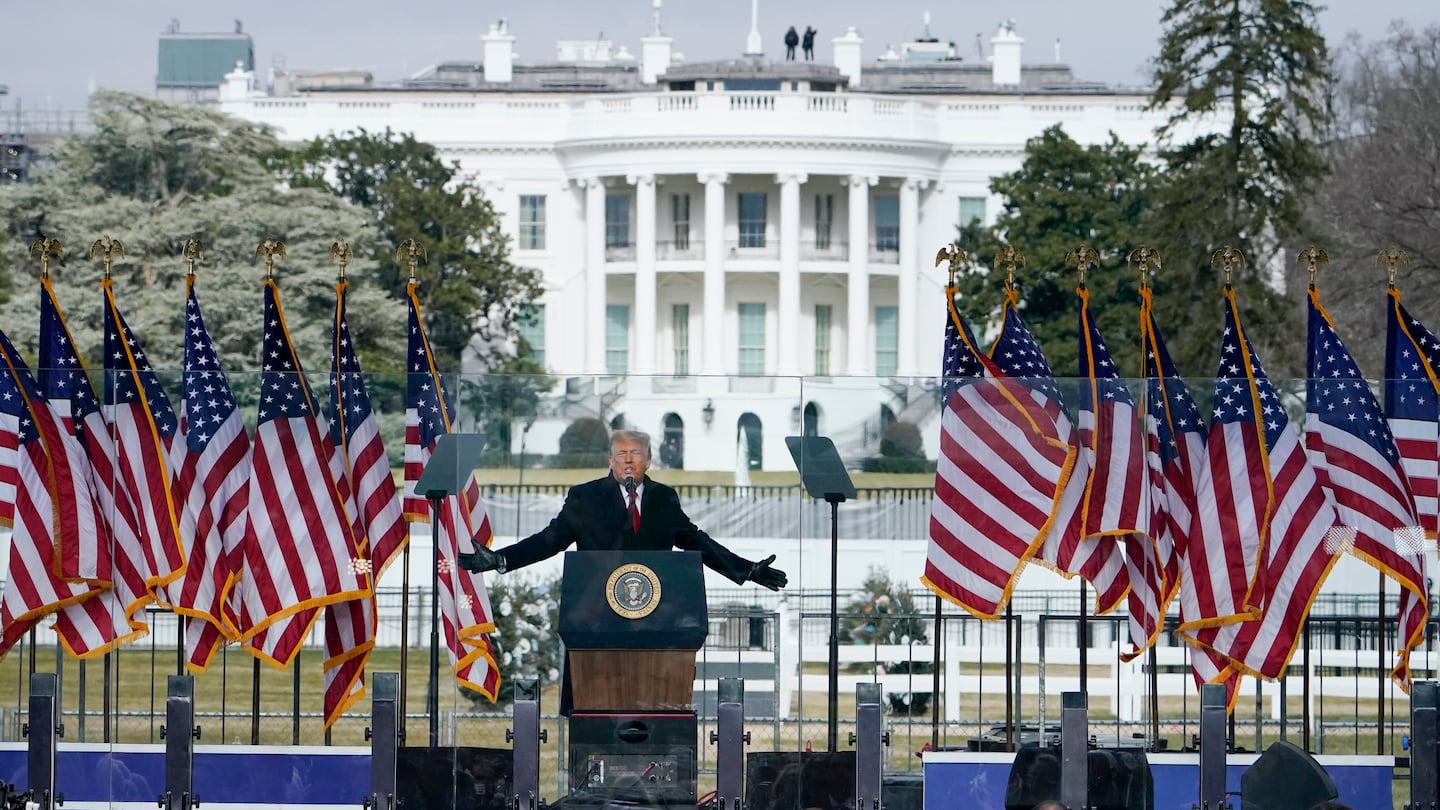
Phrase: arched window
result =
(750, 437)
(672, 443)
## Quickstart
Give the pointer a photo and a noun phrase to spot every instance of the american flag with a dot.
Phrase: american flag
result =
(144, 428)
(114, 556)
(1357, 462)
(995, 480)
(1018, 355)
(375, 508)
(83, 553)
(212, 492)
(1178, 467)
(299, 553)
(33, 507)
(1412, 405)
(464, 603)
(1114, 511)
(1298, 542)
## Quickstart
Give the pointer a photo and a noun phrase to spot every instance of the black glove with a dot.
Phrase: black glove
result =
(483, 559)
(762, 574)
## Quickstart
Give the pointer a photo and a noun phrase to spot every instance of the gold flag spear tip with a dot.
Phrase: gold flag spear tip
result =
(340, 253)
(1312, 257)
(1080, 258)
(194, 253)
(271, 248)
(1227, 258)
(106, 248)
(411, 252)
(1392, 258)
(955, 256)
(1144, 258)
(1009, 257)
(47, 247)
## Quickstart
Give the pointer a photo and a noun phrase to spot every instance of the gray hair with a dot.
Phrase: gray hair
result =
(631, 436)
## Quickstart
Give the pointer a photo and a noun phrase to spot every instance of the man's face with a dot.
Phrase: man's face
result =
(628, 459)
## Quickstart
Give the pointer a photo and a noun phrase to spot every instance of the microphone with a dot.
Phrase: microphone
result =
(630, 484)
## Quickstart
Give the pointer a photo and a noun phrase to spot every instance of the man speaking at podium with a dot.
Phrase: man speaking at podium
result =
(624, 511)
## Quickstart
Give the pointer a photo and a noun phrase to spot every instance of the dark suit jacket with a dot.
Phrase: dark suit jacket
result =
(595, 518)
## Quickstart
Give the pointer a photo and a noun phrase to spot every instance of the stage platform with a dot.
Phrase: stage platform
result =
(977, 780)
(95, 775)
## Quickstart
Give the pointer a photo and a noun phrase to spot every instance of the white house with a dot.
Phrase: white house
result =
(736, 242)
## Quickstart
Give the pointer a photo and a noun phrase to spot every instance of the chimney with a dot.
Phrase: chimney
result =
(655, 55)
(847, 55)
(499, 52)
(1005, 55)
(238, 84)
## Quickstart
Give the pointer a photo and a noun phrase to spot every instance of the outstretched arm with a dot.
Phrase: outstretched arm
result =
(717, 557)
(541, 545)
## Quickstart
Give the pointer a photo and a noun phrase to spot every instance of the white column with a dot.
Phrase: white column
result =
(908, 304)
(644, 273)
(712, 351)
(594, 275)
(789, 303)
(859, 361)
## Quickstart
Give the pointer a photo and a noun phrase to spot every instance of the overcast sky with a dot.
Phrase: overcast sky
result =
(55, 52)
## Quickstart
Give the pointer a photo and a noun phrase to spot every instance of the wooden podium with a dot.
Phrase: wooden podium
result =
(632, 622)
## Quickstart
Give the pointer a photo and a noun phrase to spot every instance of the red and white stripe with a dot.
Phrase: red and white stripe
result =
(997, 479)
(1301, 547)
(1098, 559)
(212, 492)
(299, 552)
(1115, 493)
(1418, 441)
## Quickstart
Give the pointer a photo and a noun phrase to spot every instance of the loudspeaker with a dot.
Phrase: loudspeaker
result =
(794, 780)
(640, 758)
(470, 778)
(1285, 777)
(1118, 779)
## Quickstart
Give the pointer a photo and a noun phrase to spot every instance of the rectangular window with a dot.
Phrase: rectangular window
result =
(822, 340)
(752, 219)
(531, 325)
(824, 220)
(887, 341)
(617, 339)
(532, 221)
(752, 339)
(680, 215)
(887, 224)
(680, 315)
(972, 210)
(617, 220)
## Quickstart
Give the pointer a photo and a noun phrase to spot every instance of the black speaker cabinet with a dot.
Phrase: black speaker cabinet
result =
(1118, 779)
(794, 780)
(1285, 777)
(468, 778)
(643, 758)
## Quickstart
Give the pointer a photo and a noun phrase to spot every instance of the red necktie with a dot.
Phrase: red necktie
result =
(634, 514)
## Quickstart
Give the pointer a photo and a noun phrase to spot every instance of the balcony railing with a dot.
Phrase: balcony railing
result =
(620, 253)
(828, 251)
(680, 251)
(885, 252)
(746, 249)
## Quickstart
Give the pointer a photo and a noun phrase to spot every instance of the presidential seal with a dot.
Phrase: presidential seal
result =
(633, 591)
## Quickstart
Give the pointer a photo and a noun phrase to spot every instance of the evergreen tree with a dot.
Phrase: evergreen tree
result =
(1062, 196)
(469, 286)
(153, 175)
(1262, 68)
